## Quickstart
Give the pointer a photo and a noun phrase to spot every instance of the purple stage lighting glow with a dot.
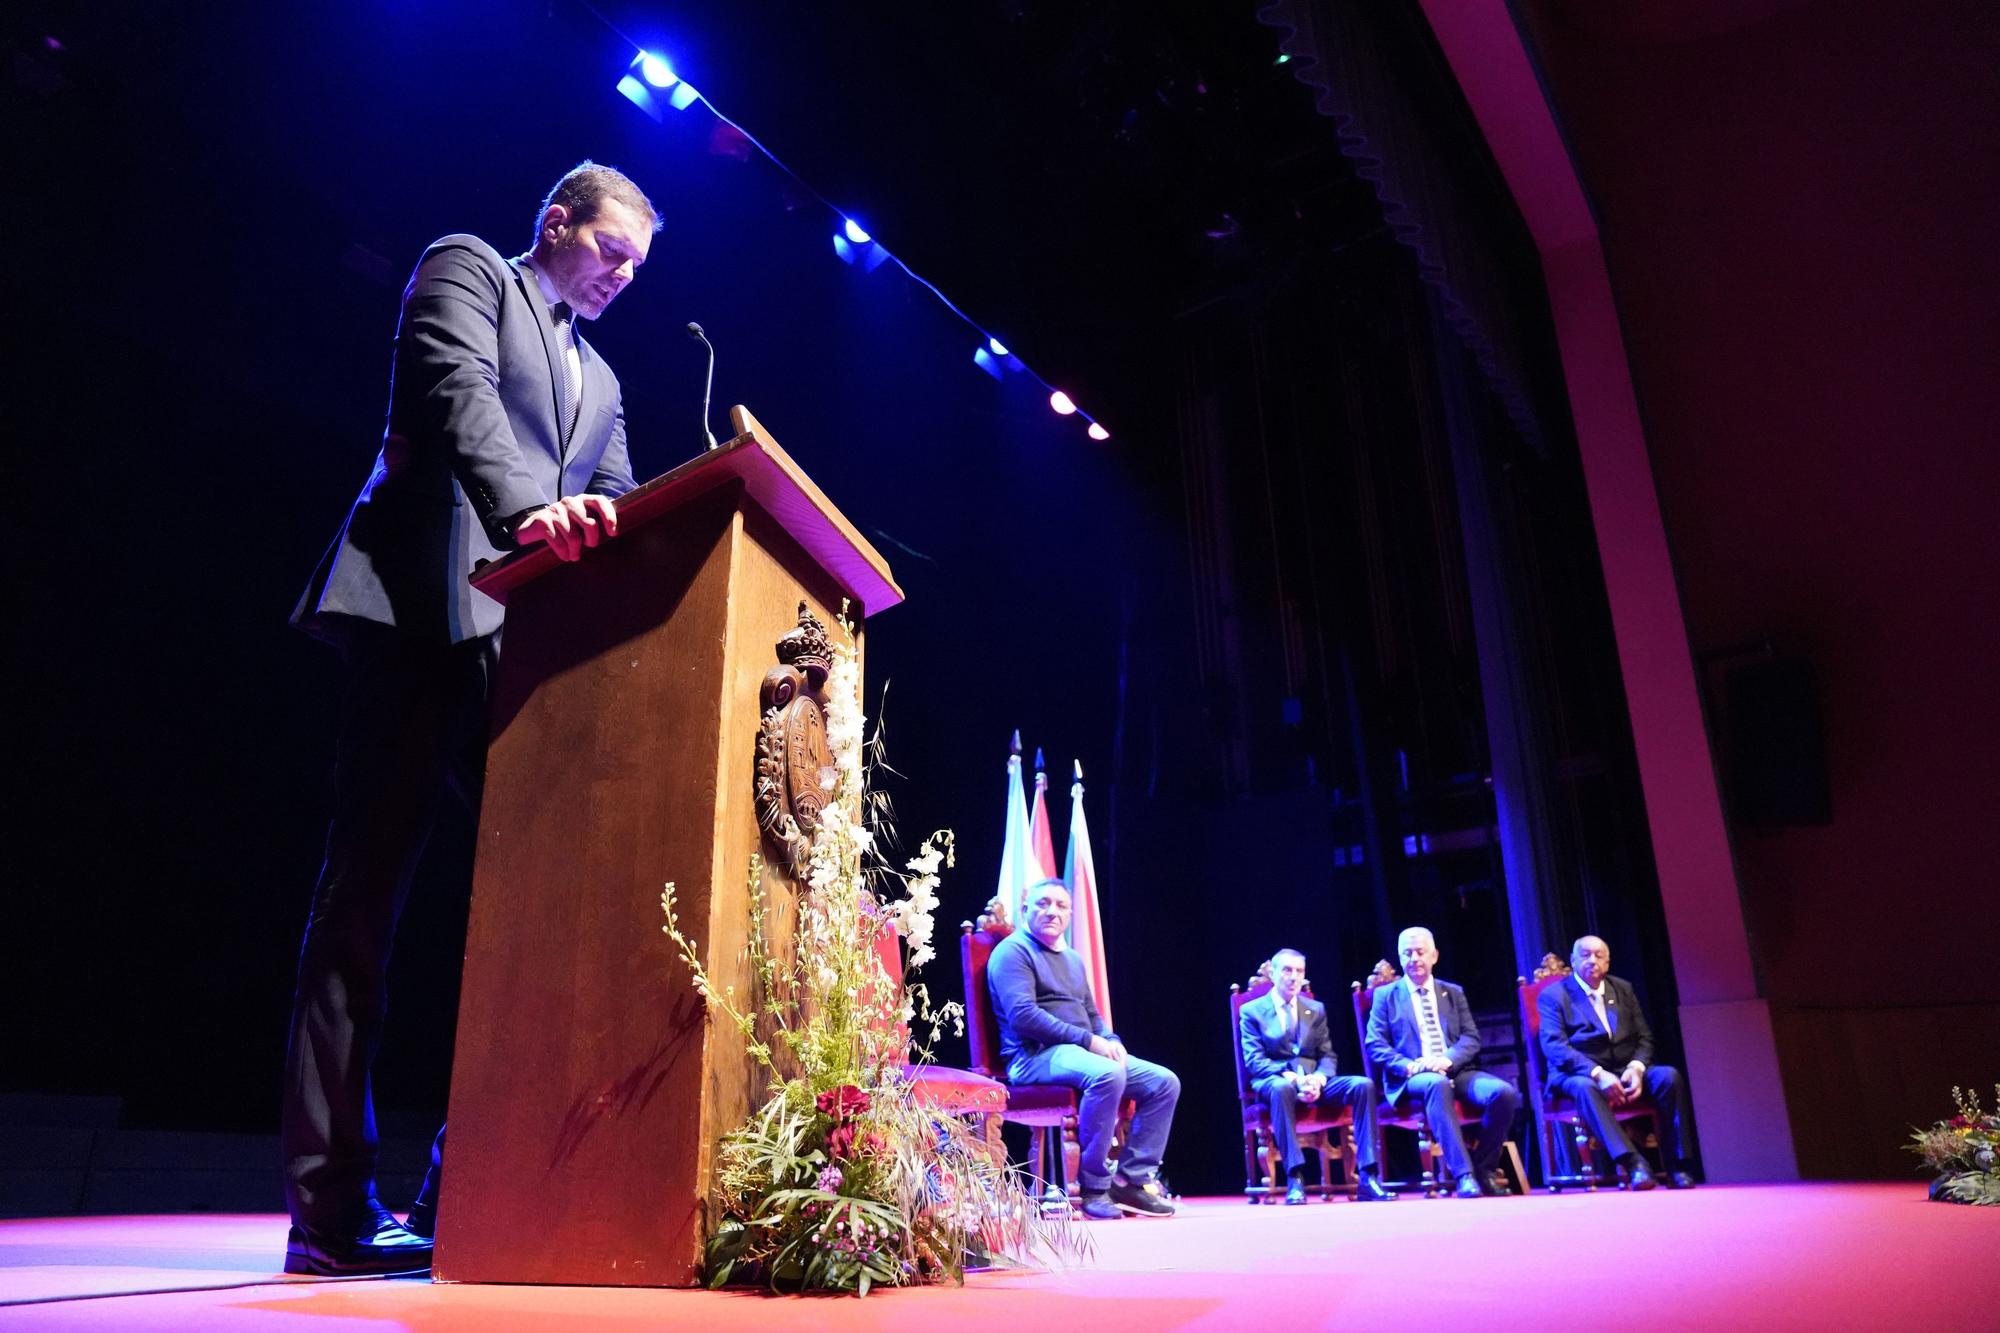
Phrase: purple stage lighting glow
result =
(657, 71)
(854, 232)
(1098, 432)
(1060, 401)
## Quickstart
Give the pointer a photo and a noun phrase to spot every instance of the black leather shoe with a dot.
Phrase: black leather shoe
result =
(1466, 1188)
(1639, 1177)
(423, 1219)
(1678, 1180)
(1295, 1193)
(1369, 1189)
(382, 1246)
(1494, 1185)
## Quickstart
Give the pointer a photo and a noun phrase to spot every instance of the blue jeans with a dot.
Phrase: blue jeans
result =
(1103, 1086)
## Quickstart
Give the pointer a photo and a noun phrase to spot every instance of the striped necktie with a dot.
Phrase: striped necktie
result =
(1433, 1034)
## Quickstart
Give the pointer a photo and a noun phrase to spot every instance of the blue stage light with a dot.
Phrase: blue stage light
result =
(854, 232)
(1060, 401)
(843, 249)
(1098, 432)
(683, 96)
(995, 346)
(986, 361)
(639, 95)
(657, 71)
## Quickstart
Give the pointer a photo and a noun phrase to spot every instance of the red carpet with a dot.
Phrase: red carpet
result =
(1764, 1257)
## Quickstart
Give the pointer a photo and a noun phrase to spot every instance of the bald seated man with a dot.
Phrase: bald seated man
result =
(1600, 1055)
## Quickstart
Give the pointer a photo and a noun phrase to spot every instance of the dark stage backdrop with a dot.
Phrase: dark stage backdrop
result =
(230, 202)
(225, 203)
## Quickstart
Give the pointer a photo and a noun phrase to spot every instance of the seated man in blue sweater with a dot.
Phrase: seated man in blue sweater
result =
(1051, 1032)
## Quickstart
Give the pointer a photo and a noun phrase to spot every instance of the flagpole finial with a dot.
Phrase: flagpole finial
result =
(1039, 765)
(1017, 742)
(1079, 769)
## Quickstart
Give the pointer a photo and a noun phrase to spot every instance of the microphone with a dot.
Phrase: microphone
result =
(708, 386)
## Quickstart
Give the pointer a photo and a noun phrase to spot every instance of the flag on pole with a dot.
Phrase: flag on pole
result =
(1017, 871)
(1039, 836)
(1086, 922)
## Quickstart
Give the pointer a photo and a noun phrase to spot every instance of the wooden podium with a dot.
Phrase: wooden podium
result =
(589, 1088)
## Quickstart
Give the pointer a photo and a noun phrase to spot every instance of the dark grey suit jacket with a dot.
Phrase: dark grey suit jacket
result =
(1395, 1039)
(472, 443)
(1269, 1048)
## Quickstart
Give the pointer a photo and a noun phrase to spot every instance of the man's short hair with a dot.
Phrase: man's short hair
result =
(1287, 953)
(1408, 931)
(583, 190)
(1050, 883)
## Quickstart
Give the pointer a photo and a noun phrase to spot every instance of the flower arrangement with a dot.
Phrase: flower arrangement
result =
(843, 1180)
(1964, 1151)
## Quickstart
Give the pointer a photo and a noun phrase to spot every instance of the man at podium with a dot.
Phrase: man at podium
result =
(504, 428)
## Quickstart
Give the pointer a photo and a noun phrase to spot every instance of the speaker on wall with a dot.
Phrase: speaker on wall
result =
(1775, 752)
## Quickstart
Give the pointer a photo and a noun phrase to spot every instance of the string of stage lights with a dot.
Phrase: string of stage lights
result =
(651, 80)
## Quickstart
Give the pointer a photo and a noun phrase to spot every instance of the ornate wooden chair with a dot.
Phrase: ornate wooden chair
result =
(1327, 1130)
(939, 1087)
(1040, 1106)
(1553, 1109)
(1429, 1154)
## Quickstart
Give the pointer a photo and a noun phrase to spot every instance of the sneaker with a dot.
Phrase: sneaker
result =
(1141, 1200)
(1098, 1207)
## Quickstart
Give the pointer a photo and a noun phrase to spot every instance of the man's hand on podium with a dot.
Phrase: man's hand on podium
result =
(570, 524)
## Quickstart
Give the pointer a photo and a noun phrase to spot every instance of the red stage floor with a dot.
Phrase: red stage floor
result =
(1766, 1257)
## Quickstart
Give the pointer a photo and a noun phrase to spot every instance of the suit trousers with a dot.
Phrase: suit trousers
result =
(1668, 1094)
(412, 728)
(1498, 1102)
(1103, 1085)
(1282, 1096)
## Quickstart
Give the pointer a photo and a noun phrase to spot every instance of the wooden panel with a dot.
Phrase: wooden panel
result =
(1858, 1080)
(576, 1150)
(589, 1084)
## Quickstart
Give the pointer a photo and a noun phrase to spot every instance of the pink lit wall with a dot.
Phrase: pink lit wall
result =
(1797, 206)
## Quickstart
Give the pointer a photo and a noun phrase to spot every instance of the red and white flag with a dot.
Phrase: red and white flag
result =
(1039, 837)
(1086, 922)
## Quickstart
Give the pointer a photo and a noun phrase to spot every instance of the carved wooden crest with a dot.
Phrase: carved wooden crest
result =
(795, 768)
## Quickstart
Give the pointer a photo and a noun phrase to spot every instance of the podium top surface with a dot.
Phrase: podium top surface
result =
(770, 477)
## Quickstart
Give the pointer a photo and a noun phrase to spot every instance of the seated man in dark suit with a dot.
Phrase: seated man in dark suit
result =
(1591, 1026)
(1288, 1054)
(1051, 1032)
(1422, 1036)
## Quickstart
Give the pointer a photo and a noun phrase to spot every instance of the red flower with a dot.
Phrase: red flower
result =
(842, 1103)
(840, 1143)
(874, 1144)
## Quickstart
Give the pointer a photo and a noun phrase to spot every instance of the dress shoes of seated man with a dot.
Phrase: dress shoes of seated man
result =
(1422, 1037)
(1288, 1055)
(1592, 1025)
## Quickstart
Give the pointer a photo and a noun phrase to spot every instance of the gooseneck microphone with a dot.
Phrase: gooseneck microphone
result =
(708, 385)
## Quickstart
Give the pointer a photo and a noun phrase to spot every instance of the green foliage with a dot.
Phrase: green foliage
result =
(1964, 1151)
(841, 1181)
